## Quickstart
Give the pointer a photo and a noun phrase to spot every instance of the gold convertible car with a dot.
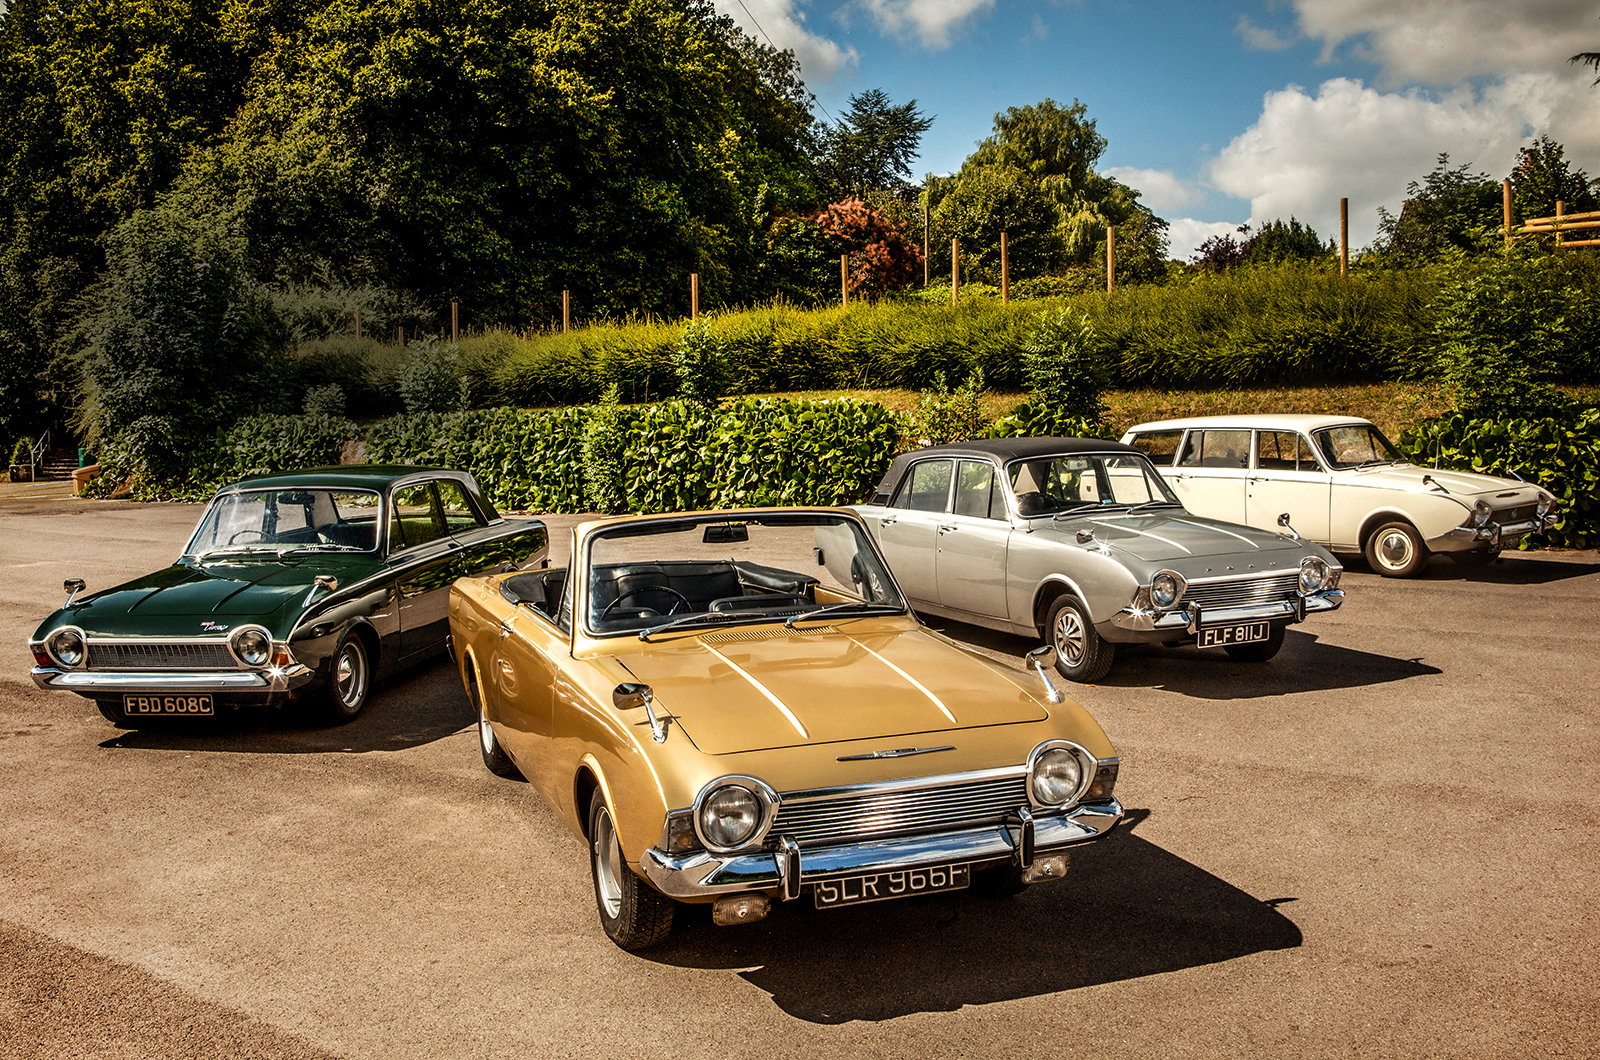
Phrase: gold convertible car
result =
(738, 708)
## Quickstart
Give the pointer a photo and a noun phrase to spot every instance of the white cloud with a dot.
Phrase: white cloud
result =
(1185, 234)
(931, 21)
(1264, 40)
(1445, 41)
(1306, 151)
(783, 23)
(1159, 189)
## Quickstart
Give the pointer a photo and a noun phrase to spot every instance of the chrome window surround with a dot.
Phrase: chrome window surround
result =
(1151, 475)
(757, 787)
(379, 532)
(1088, 765)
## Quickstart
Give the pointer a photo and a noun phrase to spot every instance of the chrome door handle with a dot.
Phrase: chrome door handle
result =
(888, 522)
(942, 529)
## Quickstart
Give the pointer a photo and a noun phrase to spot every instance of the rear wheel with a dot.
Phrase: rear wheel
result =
(113, 713)
(1081, 653)
(1261, 650)
(1395, 550)
(495, 759)
(634, 914)
(348, 682)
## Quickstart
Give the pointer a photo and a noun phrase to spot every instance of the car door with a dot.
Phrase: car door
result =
(970, 557)
(908, 533)
(427, 564)
(522, 677)
(1288, 478)
(1209, 474)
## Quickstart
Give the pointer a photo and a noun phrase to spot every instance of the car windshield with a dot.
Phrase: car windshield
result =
(1056, 484)
(1356, 445)
(281, 521)
(646, 576)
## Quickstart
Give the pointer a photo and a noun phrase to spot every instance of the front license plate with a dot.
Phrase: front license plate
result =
(854, 890)
(1220, 636)
(181, 705)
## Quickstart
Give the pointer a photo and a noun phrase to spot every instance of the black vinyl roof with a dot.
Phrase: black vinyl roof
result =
(1001, 450)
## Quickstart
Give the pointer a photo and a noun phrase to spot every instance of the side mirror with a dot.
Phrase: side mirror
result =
(630, 696)
(1042, 657)
(326, 581)
(1283, 521)
(73, 586)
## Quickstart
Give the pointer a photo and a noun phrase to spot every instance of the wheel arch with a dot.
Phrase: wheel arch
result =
(1050, 590)
(1377, 519)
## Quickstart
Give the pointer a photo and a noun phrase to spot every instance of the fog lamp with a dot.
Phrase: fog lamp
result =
(740, 909)
(1046, 867)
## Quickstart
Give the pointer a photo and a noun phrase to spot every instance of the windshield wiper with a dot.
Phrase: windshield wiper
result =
(863, 606)
(320, 548)
(1155, 504)
(1082, 509)
(712, 617)
(247, 550)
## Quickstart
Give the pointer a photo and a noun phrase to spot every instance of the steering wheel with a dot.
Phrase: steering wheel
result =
(647, 589)
(1036, 502)
(260, 535)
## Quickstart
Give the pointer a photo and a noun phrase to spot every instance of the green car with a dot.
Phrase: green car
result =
(307, 584)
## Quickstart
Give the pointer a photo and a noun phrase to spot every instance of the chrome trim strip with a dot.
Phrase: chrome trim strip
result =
(918, 685)
(763, 689)
(1220, 530)
(90, 681)
(908, 784)
(1146, 533)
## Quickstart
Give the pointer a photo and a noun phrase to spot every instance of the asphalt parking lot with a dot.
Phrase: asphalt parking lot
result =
(1382, 843)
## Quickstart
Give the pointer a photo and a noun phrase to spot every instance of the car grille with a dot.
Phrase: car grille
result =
(1242, 592)
(880, 815)
(1520, 513)
(158, 656)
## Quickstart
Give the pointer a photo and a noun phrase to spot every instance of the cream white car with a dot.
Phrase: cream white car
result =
(1340, 483)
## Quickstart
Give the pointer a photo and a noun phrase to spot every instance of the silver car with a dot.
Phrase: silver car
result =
(1081, 541)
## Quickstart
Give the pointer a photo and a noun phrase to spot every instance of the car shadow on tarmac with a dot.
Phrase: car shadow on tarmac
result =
(1127, 909)
(1512, 568)
(415, 707)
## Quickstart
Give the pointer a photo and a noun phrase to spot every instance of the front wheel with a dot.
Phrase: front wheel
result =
(1395, 550)
(1081, 653)
(635, 915)
(1261, 650)
(349, 680)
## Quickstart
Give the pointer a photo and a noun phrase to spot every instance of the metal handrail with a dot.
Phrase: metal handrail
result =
(37, 453)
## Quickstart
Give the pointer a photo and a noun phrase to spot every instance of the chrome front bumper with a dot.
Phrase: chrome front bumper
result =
(92, 682)
(1190, 619)
(705, 875)
(1491, 536)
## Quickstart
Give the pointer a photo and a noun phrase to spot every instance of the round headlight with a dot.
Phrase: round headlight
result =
(253, 647)
(1480, 513)
(730, 816)
(66, 647)
(1546, 502)
(1313, 576)
(1057, 775)
(1165, 589)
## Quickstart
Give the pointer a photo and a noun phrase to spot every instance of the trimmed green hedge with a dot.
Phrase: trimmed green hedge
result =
(1562, 454)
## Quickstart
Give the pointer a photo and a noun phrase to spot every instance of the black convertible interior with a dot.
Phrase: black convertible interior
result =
(631, 595)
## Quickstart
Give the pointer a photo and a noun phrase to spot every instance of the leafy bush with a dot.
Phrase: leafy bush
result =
(603, 452)
(325, 400)
(1561, 453)
(431, 380)
(944, 416)
(1064, 366)
(700, 365)
(1033, 419)
(22, 452)
(255, 445)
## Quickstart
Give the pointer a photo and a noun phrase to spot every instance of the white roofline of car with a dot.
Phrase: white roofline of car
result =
(1253, 421)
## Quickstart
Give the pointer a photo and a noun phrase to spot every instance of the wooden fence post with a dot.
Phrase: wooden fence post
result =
(1344, 237)
(1111, 258)
(566, 311)
(1005, 272)
(955, 271)
(844, 279)
(924, 236)
(455, 320)
(694, 296)
(358, 324)
(1505, 206)
(401, 333)
(1561, 211)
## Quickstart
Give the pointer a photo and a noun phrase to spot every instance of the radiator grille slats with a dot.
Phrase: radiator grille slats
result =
(1242, 592)
(881, 815)
(1519, 513)
(161, 656)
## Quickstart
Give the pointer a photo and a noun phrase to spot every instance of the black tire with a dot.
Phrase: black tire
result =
(1081, 654)
(349, 680)
(495, 759)
(1395, 550)
(1002, 881)
(1475, 559)
(635, 915)
(1261, 650)
(114, 714)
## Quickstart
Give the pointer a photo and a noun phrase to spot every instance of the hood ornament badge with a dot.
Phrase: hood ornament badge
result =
(898, 752)
(209, 626)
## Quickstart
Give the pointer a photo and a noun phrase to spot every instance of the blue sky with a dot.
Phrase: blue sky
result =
(1223, 112)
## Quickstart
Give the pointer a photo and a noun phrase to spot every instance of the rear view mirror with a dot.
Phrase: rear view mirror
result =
(725, 533)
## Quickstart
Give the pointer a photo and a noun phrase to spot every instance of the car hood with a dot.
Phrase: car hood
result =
(1171, 536)
(174, 601)
(1468, 486)
(761, 689)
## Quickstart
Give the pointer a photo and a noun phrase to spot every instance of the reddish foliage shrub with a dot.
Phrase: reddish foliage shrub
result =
(881, 257)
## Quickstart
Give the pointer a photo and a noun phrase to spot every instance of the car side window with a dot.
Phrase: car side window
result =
(1276, 450)
(414, 517)
(458, 512)
(1222, 449)
(977, 492)
(1159, 446)
(927, 488)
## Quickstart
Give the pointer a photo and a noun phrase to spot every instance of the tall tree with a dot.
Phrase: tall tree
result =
(1451, 207)
(1544, 177)
(871, 148)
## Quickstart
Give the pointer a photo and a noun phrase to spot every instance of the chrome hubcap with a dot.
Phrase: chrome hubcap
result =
(350, 673)
(607, 865)
(1069, 637)
(485, 734)
(1394, 549)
